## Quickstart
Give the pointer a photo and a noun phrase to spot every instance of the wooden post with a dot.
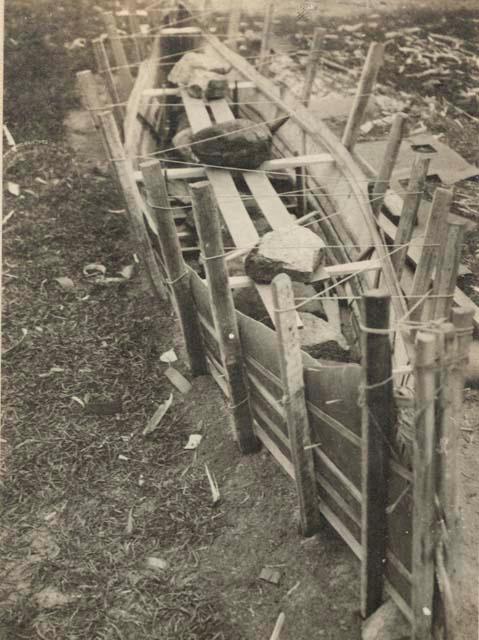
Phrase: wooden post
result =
(126, 80)
(89, 94)
(389, 160)
(135, 30)
(103, 67)
(134, 204)
(266, 37)
(409, 210)
(377, 424)
(312, 66)
(447, 269)
(207, 220)
(433, 240)
(289, 348)
(424, 460)
(236, 107)
(176, 268)
(366, 83)
(233, 24)
(301, 199)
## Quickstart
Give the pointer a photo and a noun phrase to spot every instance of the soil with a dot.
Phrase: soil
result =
(107, 533)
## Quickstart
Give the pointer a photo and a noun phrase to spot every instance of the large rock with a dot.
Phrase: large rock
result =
(293, 250)
(386, 623)
(182, 141)
(202, 74)
(303, 292)
(321, 340)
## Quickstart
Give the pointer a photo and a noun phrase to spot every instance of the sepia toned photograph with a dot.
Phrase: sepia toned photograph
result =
(240, 320)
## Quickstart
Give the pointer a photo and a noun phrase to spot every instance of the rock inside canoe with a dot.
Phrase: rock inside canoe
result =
(293, 250)
(239, 143)
(202, 74)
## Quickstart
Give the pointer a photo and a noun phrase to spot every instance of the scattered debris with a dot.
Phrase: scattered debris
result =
(49, 598)
(7, 217)
(93, 269)
(169, 356)
(156, 563)
(178, 380)
(129, 523)
(10, 139)
(215, 492)
(193, 441)
(157, 417)
(278, 627)
(65, 283)
(13, 188)
(270, 575)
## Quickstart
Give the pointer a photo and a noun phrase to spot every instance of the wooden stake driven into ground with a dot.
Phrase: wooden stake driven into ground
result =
(291, 362)
(207, 221)
(312, 66)
(389, 160)
(409, 210)
(121, 61)
(176, 268)
(377, 424)
(433, 240)
(89, 93)
(424, 463)
(447, 269)
(369, 74)
(134, 203)
(266, 37)
(135, 29)
(103, 68)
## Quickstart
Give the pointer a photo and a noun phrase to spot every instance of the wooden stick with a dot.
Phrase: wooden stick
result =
(134, 204)
(266, 37)
(234, 22)
(312, 66)
(278, 627)
(377, 424)
(126, 80)
(367, 81)
(409, 210)
(177, 270)
(103, 67)
(289, 348)
(447, 269)
(207, 220)
(433, 240)
(135, 29)
(424, 489)
(389, 160)
(302, 203)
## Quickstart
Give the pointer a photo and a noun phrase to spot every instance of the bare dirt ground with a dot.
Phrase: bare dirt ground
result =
(107, 533)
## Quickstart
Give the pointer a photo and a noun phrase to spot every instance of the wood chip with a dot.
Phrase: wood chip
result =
(178, 380)
(270, 575)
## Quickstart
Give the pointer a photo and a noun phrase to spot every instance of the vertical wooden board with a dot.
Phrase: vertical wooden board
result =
(335, 390)
(259, 342)
(201, 296)
(343, 452)
(399, 517)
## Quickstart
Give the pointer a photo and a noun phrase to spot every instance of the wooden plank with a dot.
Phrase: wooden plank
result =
(424, 489)
(312, 66)
(207, 221)
(389, 160)
(336, 270)
(433, 239)
(198, 116)
(178, 273)
(295, 403)
(377, 424)
(103, 68)
(409, 210)
(269, 165)
(331, 307)
(366, 84)
(275, 451)
(447, 270)
(176, 91)
(126, 79)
